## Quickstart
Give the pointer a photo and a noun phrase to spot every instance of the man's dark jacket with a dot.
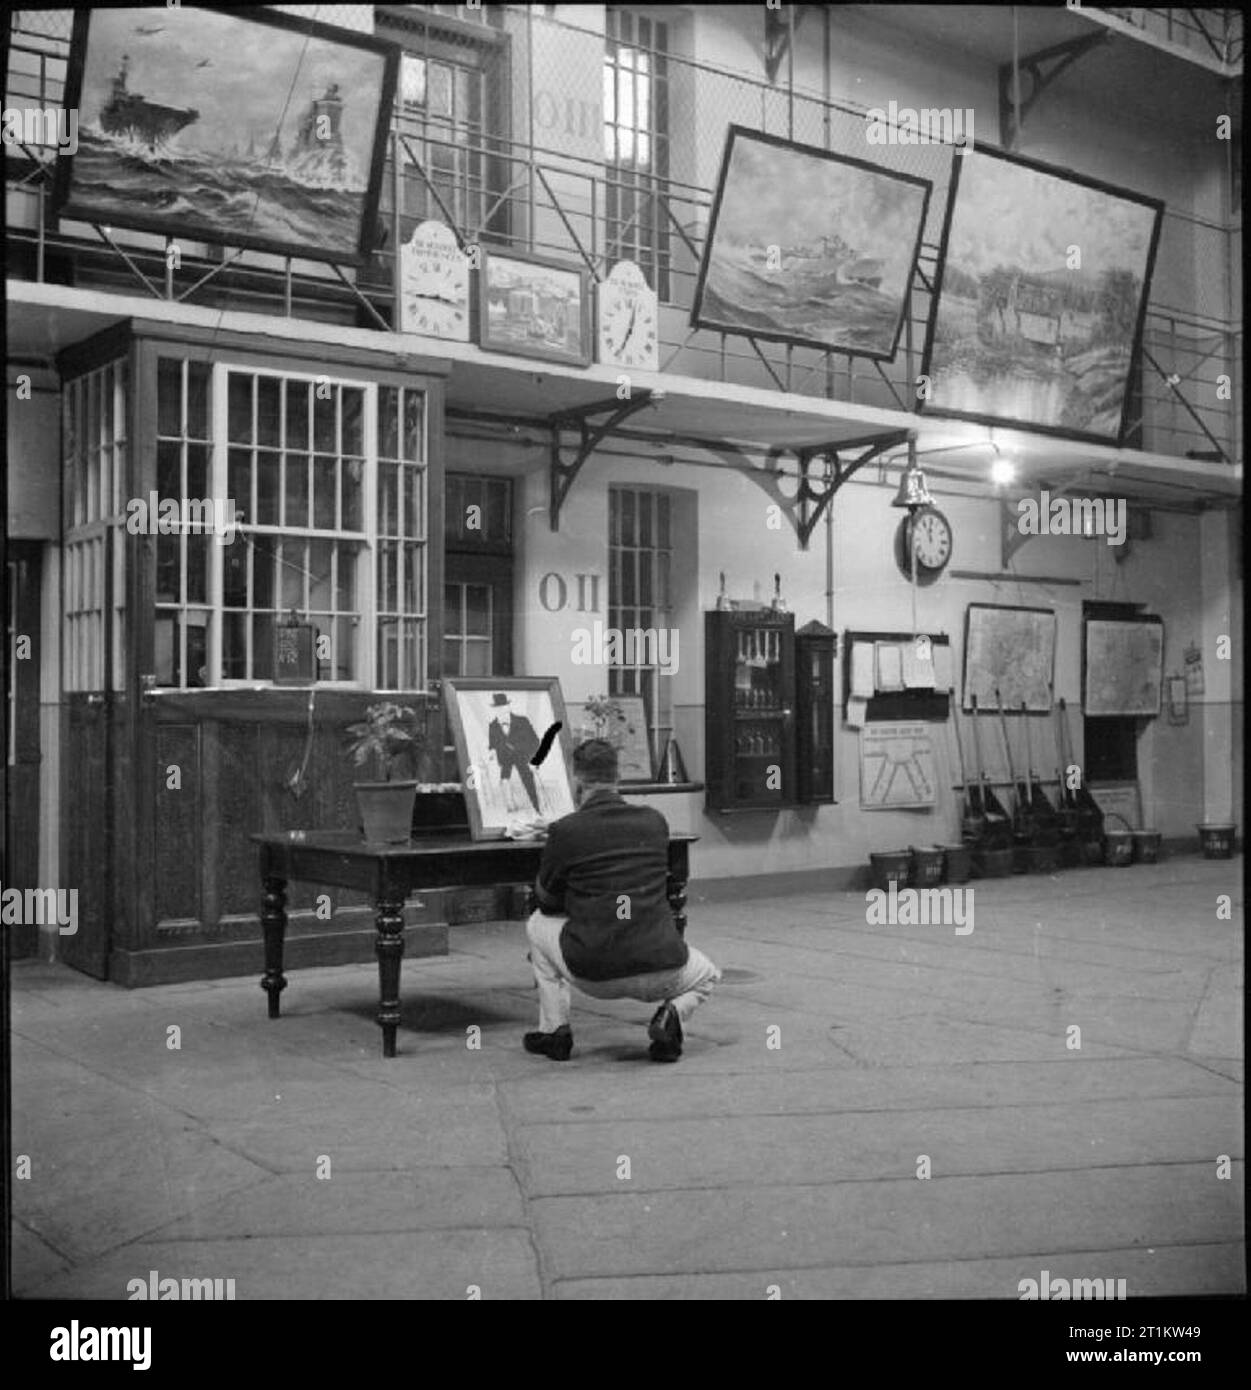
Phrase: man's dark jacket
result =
(606, 866)
(514, 748)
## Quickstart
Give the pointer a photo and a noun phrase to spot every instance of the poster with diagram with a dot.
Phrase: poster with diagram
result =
(897, 767)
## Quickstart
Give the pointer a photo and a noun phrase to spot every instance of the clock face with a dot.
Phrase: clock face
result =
(627, 327)
(927, 535)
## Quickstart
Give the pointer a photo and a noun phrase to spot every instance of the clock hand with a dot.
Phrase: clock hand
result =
(634, 313)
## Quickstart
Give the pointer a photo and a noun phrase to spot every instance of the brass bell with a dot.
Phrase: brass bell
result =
(912, 489)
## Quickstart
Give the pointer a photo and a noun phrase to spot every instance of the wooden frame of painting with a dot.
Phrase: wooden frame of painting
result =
(1013, 326)
(564, 337)
(320, 161)
(1122, 666)
(634, 752)
(498, 724)
(790, 190)
(1011, 649)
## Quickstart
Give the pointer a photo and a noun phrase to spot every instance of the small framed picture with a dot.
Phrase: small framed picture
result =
(534, 307)
(498, 726)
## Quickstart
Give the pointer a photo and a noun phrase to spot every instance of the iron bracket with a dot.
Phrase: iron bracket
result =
(1059, 56)
(561, 472)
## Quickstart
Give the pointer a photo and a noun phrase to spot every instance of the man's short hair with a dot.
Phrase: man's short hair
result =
(595, 761)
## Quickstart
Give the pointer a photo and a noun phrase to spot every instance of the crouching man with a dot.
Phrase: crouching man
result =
(604, 924)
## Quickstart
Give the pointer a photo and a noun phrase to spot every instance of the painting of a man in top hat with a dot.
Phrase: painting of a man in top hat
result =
(499, 727)
(512, 741)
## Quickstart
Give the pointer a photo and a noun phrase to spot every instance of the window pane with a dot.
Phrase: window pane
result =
(264, 563)
(296, 510)
(169, 397)
(353, 421)
(320, 553)
(197, 568)
(239, 409)
(168, 562)
(198, 470)
(415, 519)
(198, 376)
(267, 411)
(451, 657)
(387, 581)
(239, 476)
(345, 584)
(325, 481)
(414, 579)
(235, 574)
(168, 472)
(388, 501)
(267, 477)
(324, 405)
(352, 479)
(234, 646)
(388, 422)
(262, 647)
(477, 659)
(478, 610)
(414, 422)
(452, 617)
(294, 557)
(297, 414)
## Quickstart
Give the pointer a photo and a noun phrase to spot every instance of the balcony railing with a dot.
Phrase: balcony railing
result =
(556, 194)
(1213, 33)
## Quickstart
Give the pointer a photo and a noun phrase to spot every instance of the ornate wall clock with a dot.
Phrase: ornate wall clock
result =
(629, 320)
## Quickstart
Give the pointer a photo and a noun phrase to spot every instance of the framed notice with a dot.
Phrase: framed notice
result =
(1123, 666)
(1009, 657)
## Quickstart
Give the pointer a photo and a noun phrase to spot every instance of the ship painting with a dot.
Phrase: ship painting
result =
(134, 117)
(273, 142)
(808, 247)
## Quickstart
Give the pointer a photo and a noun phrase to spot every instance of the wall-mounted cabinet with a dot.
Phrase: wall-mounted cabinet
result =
(750, 709)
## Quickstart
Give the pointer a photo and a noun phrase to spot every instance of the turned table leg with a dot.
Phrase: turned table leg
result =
(675, 888)
(390, 949)
(274, 926)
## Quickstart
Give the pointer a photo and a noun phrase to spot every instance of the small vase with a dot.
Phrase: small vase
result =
(386, 811)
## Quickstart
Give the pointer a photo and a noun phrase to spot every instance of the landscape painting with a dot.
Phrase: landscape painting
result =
(1037, 316)
(534, 307)
(809, 247)
(246, 127)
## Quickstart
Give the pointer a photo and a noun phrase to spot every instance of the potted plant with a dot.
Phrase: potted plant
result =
(388, 736)
(608, 720)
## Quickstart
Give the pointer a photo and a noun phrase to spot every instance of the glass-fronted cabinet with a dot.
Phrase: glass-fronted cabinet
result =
(749, 709)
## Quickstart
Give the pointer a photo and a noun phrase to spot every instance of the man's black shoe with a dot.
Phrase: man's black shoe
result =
(557, 1045)
(665, 1031)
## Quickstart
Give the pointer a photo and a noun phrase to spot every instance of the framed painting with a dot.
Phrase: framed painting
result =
(498, 725)
(625, 727)
(1123, 666)
(245, 127)
(1036, 319)
(1012, 651)
(809, 247)
(534, 307)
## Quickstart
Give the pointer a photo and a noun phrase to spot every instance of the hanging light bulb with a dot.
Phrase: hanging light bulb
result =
(1002, 468)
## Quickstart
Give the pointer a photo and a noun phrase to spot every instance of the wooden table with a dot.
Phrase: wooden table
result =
(389, 873)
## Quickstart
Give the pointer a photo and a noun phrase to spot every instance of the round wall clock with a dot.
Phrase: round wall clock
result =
(927, 532)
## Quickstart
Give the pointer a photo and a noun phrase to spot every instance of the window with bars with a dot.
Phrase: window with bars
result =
(636, 143)
(451, 125)
(640, 596)
(94, 409)
(327, 479)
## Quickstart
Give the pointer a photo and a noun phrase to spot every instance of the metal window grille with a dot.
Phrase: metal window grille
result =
(636, 143)
(640, 597)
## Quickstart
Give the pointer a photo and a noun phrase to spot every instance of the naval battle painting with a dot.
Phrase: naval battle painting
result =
(809, 247)
(247, 128)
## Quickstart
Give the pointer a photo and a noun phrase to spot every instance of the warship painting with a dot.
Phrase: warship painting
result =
(809, 248)
(133, 117)
(205, 126)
